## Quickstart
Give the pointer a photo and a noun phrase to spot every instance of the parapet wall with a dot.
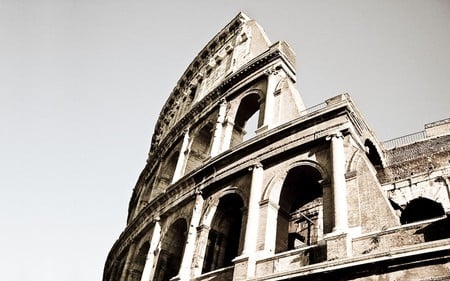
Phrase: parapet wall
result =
(419, 157)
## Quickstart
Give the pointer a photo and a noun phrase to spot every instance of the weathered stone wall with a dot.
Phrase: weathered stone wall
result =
(390, 239)
(370, 202)
(419, 157)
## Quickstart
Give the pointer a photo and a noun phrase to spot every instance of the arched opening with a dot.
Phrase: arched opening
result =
(171, 252)
(247, 119)
(300, 220)
(118, 270)
(144, 197)
(224, 236)
(167, 168)
(139, 262)
(372, 154)
(421, 209)
(200, 147)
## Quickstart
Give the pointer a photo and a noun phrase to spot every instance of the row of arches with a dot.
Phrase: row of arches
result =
(225, 128)
(299, 223)
(302, 220)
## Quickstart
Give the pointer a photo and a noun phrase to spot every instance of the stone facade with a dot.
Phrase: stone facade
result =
(243, 182)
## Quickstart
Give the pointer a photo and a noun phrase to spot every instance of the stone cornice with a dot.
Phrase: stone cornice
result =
(193, 70)
(277, 51)
(182, 191)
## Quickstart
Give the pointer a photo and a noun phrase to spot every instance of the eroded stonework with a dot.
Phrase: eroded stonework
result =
(243, 182)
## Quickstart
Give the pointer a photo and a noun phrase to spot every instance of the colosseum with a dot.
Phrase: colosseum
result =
(243, 182)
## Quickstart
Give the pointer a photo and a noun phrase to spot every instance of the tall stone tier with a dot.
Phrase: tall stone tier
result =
(243, 182)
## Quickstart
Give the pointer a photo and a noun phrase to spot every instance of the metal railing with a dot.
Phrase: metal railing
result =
(404, 140)
(314, 108)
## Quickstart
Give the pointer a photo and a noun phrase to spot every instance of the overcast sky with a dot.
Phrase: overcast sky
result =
(82, 83)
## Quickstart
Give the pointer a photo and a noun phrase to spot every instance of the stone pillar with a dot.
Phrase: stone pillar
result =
(181, 158)
(202, 241)
(272, 81)
(202, 234)
(186, 263)
(251, 231)
(269, 211)
(217, 139)
(228, 127)
(252, 224)
(128, 262)
(338, 183)
(148, 271)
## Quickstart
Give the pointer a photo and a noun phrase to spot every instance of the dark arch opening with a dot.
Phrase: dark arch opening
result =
(171, 253)
(224, 236)
(117, 270)
(299, 216)
(421, 209)
(200, 147)
(167, 168)
(139, 262)
(247, 119)
(372, 154)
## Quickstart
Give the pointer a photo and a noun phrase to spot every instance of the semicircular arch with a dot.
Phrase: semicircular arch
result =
(213, 202)
(273, 189)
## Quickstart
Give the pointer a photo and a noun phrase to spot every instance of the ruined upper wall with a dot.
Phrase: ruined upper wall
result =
(236, 44)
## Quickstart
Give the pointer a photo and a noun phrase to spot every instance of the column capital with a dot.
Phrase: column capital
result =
(271, 71)
(337, 134)
(256, 165)
(197, 191)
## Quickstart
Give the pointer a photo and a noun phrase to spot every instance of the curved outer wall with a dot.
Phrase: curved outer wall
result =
(243, 182)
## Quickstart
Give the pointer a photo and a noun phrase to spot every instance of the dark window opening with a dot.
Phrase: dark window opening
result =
(167, 168)
(171, 253)
(139, 262)
(372, 154)
(117, 270)
(299, 217)
(247, 119)
(421, 209)
(200, 147)
(224, 237)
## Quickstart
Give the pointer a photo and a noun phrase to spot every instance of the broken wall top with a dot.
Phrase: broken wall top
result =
(238, 43)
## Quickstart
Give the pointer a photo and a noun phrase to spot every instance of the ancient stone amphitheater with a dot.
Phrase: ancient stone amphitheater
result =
(243, 182)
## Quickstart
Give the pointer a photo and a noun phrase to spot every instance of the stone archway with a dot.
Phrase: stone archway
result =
(300, 213)
(420, 209)
(171, 251)
(223, 242)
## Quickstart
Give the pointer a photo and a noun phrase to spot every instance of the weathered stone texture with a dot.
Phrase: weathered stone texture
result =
(419, 157)
(311, 195)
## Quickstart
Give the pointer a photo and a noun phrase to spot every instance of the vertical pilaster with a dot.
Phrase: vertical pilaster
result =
(228, 126)
(202, 241)
(186, 263)
(148, 271)
(128, 262)
(218, 132)
(252, 223)
(253, 210)
(179, 169)
(202, 234)
(338, 183)
(273, 78)
(270, 210)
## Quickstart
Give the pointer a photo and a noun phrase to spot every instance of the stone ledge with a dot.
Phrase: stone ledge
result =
(329, 266)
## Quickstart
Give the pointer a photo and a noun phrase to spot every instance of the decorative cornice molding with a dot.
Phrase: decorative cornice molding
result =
(212, 99)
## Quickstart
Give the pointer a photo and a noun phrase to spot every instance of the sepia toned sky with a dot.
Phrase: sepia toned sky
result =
(82, 83)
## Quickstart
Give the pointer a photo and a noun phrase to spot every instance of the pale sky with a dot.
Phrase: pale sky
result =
(82, 83)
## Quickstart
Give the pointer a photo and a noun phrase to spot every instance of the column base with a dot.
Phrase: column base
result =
(241, 267)
(338, 245)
